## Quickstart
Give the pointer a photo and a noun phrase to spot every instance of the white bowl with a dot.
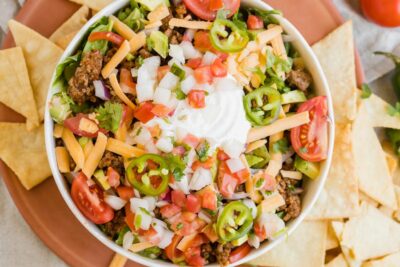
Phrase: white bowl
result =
(312, 187)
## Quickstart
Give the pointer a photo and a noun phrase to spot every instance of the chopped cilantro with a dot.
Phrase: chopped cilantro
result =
(203, 150)
(109, 116)
(176, 166)
(259, 183)
(366, 91)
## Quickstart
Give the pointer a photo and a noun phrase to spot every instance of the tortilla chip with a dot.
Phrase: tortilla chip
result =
(305, 245)
(15, 87)
(41, 57)
(331, 239)
(386, 211)
(370, 201)
(339, 198)
(392, 260)
(377, 111)
(338, 229)
(64, 41)
(72, 25)
(336, 55)
(24, 152)
(371, 234)
(339, 261)
(93, 4)
(372, 170)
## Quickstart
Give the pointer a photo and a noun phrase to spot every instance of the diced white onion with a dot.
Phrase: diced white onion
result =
(165, 144)
(201, 178)
(173, 102)
(176, 51)
(151, 147)
(166, 239)
(162, 96)
(189, 51)
(190, 157)
(235, 165)
(151, 201)
(127, 240)
(146, 80)
(158, 222)
(254, 241)
(169, 81)
(161, 203)
(188, 84)
(115, 202)
(252, 206)
(143, 136)
(136, 193)
(208, 58)
(182, 185)
(204, 217)
(233, 148)
(146, 219)
(137, 203)
(272, 224)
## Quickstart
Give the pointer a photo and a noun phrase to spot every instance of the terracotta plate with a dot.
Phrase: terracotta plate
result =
(43, 208)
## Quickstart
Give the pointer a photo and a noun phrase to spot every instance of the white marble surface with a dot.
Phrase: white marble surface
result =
(19, 246)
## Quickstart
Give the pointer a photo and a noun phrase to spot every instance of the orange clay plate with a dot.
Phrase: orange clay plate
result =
(42, 207)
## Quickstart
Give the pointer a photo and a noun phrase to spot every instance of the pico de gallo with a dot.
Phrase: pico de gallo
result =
(186, 129)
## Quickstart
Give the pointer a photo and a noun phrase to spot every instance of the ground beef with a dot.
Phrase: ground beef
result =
(59, 142)
(110, 53)
(181, 11)
(113, 227)
(81, 88)
(222, 253)
(300, 79)
(144, 53)
(292, 205)
(113, 160)
(207, 252)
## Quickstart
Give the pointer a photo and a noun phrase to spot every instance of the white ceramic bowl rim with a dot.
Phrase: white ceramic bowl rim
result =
(312, 188)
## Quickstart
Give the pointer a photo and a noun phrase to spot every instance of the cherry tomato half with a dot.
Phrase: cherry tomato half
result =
(383, 12)
(310, 141)
(89, 200)
(207, 9)
(239, 253)
(109, 36)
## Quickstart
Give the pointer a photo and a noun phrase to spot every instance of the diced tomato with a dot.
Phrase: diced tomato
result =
(188, 228)
(126, 80)
(193, 203)
(227, 185)
(171, 251)
(218, 69)
(160, 110)
(222, 156)
(203, 75)
(259, 230)
(199, 240)
(162, 71)
(208, 198)
(202, 41)
(215, 5)
(188, 216)
(197, 98)
(125, 192)
(241, 176)
(178, 198)
(151, 235)
(239, 252)
(109, 36)
(210, 232)
(191, 140)
(129, 217)
(193, 257)
(205, 165)
(194, 63)
(113, 177)
(169, 210)
(255, 22)
(143, 112)
(179, 150)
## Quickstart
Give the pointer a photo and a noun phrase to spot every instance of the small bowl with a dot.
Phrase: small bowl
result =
(312, 188)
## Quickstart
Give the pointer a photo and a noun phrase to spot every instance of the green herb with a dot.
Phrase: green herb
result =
(178, 72)
(281, 214)
(109, 116)
(66, 69)
(180, 95)
(135, 20)
(394, 110)
(238, 19)
(203, 151)
(138, 221)
(179, 226)
(268, 193)
(139, 61)
(366, 91)
(176, 166)
(153, 252)
(281, 146)
(100, 45)
(394, 137)
(145, 211)
(259, 183)
(257, 71)
(121, 234)
(291, 188)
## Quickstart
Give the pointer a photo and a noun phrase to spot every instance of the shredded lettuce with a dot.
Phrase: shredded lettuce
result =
(100, 45)
(66, 69)
(109, 116)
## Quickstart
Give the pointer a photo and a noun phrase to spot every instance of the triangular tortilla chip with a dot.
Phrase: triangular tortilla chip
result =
(306, 246)
(15, 87)
(392, 260)
(331, 239)
(41, 57)
(93, 4)
(372, 170)
(72, 25)
(377, 112)
(371, 234)
(336, 55)
(338, 228)
(339, 261)
(24, 152)
(64, 41)
(339, 197)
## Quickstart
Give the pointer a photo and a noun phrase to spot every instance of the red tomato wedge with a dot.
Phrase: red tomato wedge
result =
(383, 12)
(143, 112)
(109, 36)
(89, 200)
(239, 253)
(310, 141)
(207, 9)
(218, 69)
(197, 98)
(83, 126)
(255, 22)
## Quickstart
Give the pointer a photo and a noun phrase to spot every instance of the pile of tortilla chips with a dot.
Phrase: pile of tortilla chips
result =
(25, 74)
(355, 222)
